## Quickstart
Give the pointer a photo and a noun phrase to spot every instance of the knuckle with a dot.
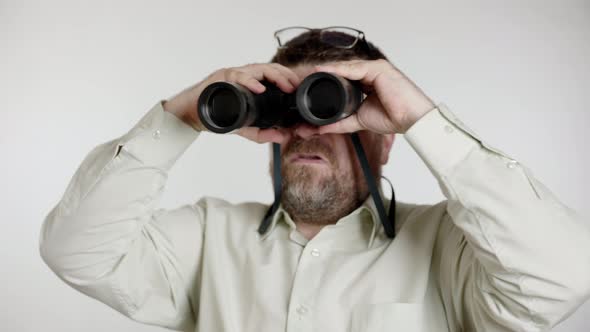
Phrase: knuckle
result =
(232, 74)
(218, 72)
(282, 68)
(227, 75)
(273, 69)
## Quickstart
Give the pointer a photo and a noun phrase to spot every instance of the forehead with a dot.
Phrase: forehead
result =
(302, 70)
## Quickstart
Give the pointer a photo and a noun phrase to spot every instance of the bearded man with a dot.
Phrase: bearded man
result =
(500, 253)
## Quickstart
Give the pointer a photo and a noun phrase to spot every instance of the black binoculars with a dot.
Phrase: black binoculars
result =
(322, 98)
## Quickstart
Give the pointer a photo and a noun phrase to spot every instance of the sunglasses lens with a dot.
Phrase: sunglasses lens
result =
(339, 37)
(287, 35)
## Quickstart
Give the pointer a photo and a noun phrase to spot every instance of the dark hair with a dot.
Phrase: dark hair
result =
(309, 48)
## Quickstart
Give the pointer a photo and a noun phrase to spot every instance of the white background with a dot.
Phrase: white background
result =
(74, 74)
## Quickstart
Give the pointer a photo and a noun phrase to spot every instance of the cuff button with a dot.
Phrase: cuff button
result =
(512, 164)
(156, 134)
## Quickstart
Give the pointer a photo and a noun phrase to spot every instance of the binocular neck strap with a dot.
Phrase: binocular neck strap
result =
(387, 221)
(277, 182)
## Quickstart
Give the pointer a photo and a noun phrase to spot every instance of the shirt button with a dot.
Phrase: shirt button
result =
(302, 310)
(512, 164)
(449, 129)
(156, 134)
(315, 252)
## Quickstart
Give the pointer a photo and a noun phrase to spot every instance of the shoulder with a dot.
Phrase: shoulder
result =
(411, 213)
(218, 210)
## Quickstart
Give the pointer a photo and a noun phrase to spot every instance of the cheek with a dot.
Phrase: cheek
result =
(346, 158)
(344, 164)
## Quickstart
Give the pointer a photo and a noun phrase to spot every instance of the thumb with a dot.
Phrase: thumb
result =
(346, 125)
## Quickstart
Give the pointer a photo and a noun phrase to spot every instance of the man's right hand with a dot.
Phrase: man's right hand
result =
(184, 104)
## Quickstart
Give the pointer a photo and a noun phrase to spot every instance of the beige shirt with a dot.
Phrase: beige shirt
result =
(500, 254)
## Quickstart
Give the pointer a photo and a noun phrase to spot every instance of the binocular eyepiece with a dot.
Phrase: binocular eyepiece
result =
(322, 98)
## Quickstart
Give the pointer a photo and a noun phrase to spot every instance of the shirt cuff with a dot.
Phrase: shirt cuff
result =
(159, 138)
(441, 140)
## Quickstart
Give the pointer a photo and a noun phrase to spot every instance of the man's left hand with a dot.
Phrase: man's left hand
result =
(393, 103)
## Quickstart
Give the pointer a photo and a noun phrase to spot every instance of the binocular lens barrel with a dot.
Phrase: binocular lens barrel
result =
(224, 107)
(322, 98)
(320, 106)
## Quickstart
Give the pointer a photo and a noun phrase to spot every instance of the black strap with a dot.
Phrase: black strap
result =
(392, 203)
(388, 223)
(276, 156)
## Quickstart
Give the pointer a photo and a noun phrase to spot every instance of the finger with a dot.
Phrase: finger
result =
(289, 73)
(306, 130)
(361, 71)
(271, 135)
(273, 75)
(351, 69)
(276, 76)
(262, 135)
(250, 82)
(346, 125)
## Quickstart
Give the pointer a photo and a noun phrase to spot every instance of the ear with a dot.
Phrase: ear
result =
(387, 143)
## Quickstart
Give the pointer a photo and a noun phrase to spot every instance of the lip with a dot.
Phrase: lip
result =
(308, 158)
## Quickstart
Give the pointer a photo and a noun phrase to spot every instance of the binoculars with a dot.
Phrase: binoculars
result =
(321, 98)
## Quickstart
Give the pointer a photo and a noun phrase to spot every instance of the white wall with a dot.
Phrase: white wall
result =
(74, 74)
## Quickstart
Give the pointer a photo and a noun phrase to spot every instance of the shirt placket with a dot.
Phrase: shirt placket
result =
(302, 303)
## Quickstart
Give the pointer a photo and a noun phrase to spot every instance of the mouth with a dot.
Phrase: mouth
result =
(308, 158)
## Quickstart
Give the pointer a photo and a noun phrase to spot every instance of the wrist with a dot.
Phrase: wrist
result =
(188, 117)
(418, 113)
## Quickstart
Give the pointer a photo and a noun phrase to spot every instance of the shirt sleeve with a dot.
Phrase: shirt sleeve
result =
(509, 254)
(106, 238)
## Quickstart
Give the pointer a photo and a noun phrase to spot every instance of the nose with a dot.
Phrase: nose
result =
(305, 130)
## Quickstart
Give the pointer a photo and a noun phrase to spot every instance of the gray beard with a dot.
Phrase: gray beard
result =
(324, 203)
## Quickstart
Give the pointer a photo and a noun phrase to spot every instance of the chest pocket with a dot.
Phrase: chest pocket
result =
(387, 316)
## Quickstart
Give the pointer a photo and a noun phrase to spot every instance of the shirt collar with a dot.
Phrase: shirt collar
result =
(366, 212)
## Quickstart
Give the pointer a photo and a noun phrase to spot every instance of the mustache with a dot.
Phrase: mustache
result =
(311, 146)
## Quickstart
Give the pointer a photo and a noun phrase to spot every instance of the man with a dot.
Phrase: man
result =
(500, 254)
